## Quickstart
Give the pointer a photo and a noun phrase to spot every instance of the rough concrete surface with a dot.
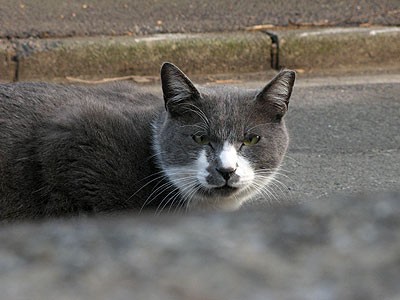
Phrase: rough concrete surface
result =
(58, 18)
(344, 248)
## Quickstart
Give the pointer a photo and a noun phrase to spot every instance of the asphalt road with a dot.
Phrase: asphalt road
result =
(57, 18)
(345, 136)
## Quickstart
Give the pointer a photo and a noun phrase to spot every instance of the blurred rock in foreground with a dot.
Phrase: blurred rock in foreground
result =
(343, 248)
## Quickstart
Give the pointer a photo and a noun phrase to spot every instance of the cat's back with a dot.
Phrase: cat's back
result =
(20, 99)
(26, 105)
(30, 112)
(23, 100)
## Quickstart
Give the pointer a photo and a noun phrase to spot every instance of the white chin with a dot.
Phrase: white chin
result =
(218, 202)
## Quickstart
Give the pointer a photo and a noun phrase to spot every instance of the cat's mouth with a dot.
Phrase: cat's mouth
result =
(225, 189)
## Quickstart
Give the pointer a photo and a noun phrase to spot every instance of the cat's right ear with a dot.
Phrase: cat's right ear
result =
(274, 97)
(177, 87)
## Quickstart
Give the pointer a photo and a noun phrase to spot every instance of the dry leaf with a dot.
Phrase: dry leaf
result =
(260, 27)
(300, 71)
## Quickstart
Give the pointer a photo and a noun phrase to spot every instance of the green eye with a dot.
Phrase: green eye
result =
(201, 139)
(251, 139)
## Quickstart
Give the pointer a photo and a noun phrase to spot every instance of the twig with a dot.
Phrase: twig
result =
(137, 79)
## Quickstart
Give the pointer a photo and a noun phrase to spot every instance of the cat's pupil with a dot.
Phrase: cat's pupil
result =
(201, 139)
(251, 140)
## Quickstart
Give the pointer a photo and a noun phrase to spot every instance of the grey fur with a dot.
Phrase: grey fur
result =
(70, 150)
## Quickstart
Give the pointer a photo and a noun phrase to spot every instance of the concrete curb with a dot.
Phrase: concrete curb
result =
(341, 48)
(235, 52)
(7, 65)
(119, 56)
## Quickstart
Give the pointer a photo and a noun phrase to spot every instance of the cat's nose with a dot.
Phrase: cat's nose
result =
(226, 173)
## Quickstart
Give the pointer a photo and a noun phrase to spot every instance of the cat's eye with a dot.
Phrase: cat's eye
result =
(251, 139)
(201, 139)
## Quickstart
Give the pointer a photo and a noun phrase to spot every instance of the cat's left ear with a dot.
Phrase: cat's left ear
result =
(177, 87)
(278, 91)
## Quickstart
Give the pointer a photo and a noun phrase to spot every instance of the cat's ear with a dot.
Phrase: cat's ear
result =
(176, 86)
(278, 91)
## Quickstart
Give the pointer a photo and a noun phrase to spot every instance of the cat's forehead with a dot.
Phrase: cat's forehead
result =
(226, 100)
(229, 111)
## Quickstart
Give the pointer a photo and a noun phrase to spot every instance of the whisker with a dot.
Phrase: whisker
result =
(150, 198)
(166, 199)
(185, 193)
(181, 188)
(190, 197)
(175, 184)
(263, 190)
(258, 125)
(291, 158)
(193, 108)
(272, 173)
(143, 186)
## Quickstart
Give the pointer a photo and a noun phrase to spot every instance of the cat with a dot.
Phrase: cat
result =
(79, 150)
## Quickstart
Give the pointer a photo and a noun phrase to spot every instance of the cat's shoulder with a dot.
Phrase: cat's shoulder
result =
(115, 93)
(123, 91)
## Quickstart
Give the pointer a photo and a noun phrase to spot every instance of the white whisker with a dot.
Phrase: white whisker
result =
(181, 189)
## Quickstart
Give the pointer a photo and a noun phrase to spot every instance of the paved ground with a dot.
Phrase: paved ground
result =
(49, 18)
(345, 137)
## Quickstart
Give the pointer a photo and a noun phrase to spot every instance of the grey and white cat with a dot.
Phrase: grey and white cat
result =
(70, 150)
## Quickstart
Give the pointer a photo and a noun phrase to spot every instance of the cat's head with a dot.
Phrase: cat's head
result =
(221, 146)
